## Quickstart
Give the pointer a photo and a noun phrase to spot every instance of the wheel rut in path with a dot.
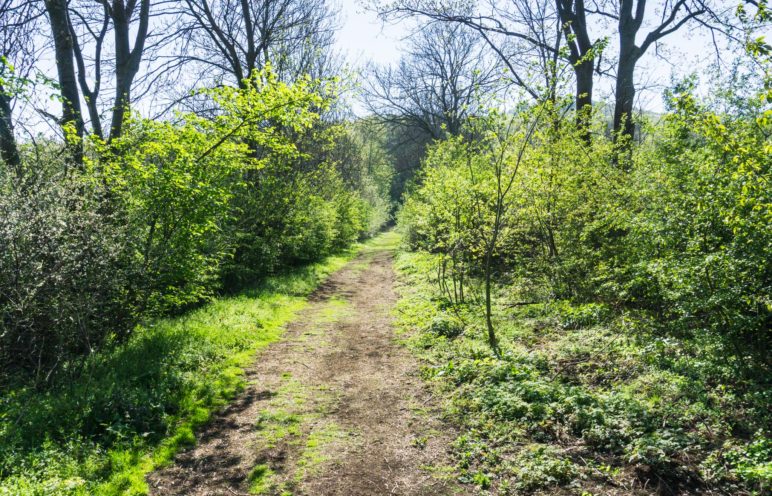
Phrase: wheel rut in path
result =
(335, 408)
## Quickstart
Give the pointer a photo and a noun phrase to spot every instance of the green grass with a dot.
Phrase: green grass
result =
(293, 418)
(584, 399)
(335, 309)
(319, 444)
(102, 425)
(259, 478)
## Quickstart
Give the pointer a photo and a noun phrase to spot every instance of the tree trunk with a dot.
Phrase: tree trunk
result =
(493, 341)
(624, 95)
(120, 106)
(573, 19)
(127, 60)
(624, 128)
(8, 151)
(584, 72)
(123, 75)
(72, 119)
(625, 98)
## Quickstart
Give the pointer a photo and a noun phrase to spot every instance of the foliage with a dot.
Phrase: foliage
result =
(169, 214)
(632, 300)
(683, 236)
(597, 405)
(100, 383)
(129, 407)
(65, 270)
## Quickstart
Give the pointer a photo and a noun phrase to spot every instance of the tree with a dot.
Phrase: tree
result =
(527, 35)
(630, 16)
(64, 46)
(91, 92)
(581, 55)
(509, 144)
(129, 24)
(437, 84)
(17, 59)
(236, 37)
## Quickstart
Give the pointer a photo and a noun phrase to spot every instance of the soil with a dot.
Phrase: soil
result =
(337, 407)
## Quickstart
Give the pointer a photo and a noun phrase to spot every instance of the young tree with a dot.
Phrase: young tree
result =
(510, 142)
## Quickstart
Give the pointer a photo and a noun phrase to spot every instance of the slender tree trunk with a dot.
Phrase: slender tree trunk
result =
(9, 153)
(65, 67)
(493, 341)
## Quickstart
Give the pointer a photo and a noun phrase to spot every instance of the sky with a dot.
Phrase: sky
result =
(363, 37)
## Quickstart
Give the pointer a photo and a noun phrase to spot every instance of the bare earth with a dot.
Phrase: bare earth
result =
(335, 408)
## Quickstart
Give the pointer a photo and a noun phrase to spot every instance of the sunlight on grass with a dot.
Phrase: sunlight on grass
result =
(128, 409)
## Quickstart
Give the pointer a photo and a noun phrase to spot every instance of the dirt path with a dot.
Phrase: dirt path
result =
(336, 408)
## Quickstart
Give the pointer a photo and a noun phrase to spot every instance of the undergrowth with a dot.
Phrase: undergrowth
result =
(584, 400)
(102, 424)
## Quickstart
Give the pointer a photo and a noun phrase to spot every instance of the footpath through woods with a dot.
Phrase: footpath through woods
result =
(335, 408)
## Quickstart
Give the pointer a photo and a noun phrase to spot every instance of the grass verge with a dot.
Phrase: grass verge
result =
(585, 400)
(126, 410)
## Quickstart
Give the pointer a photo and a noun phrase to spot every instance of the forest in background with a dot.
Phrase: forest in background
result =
(597, 277)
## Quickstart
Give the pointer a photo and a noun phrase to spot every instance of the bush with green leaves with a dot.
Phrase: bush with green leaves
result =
(170, 213)
(683, 235)
(67, 277)
(699, 237)
(647, 283)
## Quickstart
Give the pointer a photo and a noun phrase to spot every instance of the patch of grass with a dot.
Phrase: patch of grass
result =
(285, 417)
(259, 479)
(318, 444)
(334, 310)
(291, 419)
(278, 426)
(389, 240)
(582, 397)
(103, 424)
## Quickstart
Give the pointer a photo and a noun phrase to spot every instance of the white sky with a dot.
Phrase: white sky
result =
(363, 37)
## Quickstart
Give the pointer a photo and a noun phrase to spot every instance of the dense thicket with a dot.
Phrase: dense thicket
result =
(681, 234)
(170, 213)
